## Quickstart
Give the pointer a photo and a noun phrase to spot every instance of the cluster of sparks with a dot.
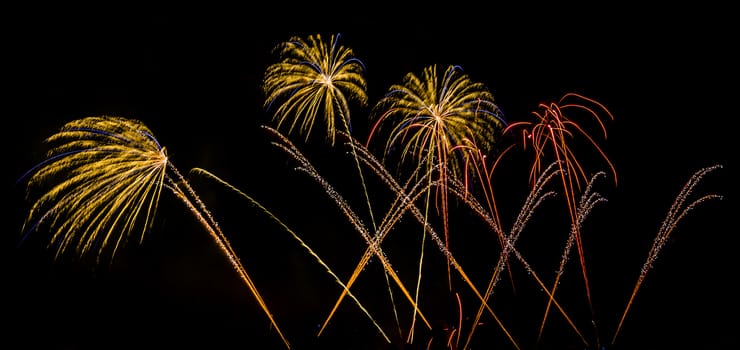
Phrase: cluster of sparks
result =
(107, 173)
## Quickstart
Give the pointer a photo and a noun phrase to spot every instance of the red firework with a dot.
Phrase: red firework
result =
(551, 137)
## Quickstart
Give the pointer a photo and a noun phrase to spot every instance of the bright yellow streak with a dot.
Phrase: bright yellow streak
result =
(345, 288)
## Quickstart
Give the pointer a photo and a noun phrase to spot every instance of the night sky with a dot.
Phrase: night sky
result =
(193, 76)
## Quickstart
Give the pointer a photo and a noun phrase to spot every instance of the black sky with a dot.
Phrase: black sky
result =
(193, 75)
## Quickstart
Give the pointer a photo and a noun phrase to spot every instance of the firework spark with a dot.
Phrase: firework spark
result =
(406, 197)
(678, 210)
(289, 148)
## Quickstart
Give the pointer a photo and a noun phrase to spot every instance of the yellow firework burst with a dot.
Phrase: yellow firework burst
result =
(314, 80)
(107, 175)
(110, 173)
(432, 116)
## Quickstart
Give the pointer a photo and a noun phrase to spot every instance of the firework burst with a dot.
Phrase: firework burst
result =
(433, 114)
(107, 176)
(314, 80)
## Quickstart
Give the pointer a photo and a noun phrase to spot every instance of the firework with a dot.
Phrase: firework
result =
(433, 114)
(678, 210)
(314, 79)
(108, 174)
(550, 138)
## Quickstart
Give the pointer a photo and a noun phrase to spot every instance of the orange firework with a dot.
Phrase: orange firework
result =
(551, 136)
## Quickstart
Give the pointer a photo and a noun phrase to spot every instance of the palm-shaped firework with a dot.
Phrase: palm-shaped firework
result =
(110, 174)
(314, 79)
(107, 175)
(433, 115)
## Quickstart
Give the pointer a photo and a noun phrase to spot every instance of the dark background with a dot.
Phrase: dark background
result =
(193, 75)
